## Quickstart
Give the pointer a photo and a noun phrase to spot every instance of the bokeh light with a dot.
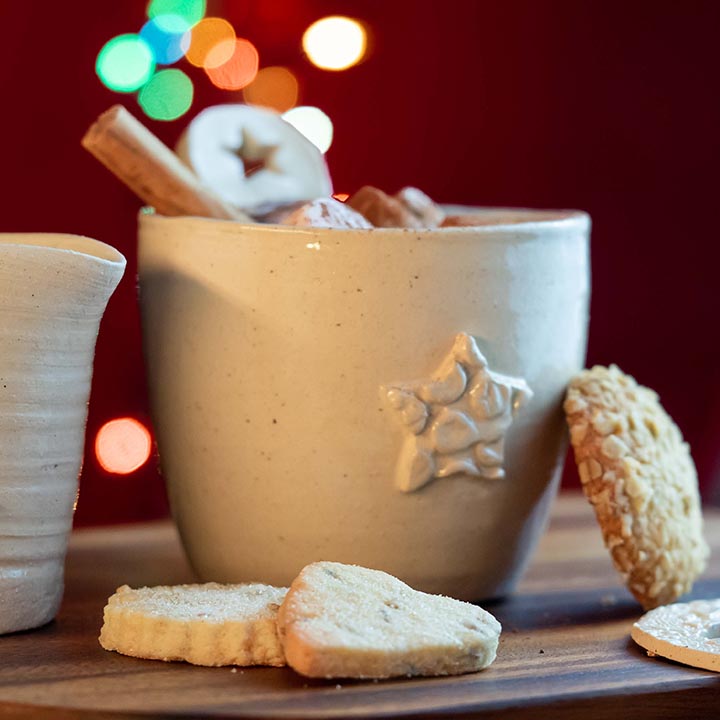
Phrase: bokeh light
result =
(125, 63)
(208, 33)
(168, 36)
(236, 72)
(192, 11)
(313, 123)
(273, 87)
(167, 95)
(335, 42)
(123, 445)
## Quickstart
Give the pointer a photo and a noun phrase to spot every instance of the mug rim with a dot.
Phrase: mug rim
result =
(64, 243)
(538, 220)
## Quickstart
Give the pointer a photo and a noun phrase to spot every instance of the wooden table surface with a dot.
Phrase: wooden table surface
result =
(565, 651)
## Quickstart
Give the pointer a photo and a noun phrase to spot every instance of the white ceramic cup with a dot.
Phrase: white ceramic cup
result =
(53, 292)
(270, 351)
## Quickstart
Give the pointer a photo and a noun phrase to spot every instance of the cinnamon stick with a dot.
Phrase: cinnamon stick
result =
(151, 169)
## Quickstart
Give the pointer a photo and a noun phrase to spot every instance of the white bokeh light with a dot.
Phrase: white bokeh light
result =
(335, 42)
(313, 123)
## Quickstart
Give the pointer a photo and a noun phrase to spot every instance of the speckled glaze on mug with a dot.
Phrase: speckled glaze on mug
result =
(53, 293)
(273, 354)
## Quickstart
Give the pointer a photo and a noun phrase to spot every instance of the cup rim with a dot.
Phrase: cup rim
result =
(65, 243)
(537, 220)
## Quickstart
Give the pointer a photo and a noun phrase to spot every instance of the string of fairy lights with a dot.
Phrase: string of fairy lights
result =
(144, 64)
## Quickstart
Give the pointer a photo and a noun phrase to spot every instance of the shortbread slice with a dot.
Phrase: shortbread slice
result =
(345, 621)
(637, 472)
(209, 624)
(382, 210)
(687, 633)
(326, 213)
(423, 207)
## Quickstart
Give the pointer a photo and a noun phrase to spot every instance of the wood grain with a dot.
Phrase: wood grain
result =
(565, 648)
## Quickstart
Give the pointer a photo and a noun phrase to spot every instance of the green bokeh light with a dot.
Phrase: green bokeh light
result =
(125, 63)
(192, 11)
(167, 95)
(171, 24)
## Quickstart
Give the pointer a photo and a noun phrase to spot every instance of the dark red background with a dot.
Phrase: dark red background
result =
(606, 105)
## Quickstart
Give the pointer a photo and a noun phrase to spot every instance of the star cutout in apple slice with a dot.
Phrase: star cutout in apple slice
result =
(455, 421)
(255, 153)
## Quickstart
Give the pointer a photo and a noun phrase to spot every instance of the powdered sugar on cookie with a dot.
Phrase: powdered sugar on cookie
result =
(688, 633)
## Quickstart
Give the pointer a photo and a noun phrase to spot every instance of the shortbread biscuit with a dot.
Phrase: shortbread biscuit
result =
(274, 213)
(688, 633)
(637, 472)
(423, 208)
(328, 213)
(382, 210)
(344, 621)
(209, 624)
(473, 220)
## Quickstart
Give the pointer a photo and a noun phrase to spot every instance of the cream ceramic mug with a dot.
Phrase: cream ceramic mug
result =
(386, 397)
(53, 292)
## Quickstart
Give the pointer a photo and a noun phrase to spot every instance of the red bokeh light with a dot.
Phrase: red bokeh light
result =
(123, 445)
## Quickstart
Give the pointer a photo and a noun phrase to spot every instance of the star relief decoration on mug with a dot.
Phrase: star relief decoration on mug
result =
(457, 420)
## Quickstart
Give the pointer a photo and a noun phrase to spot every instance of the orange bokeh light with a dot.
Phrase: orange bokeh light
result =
(273, 87)
(123, 445)
(239, 70)
(208, 33)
